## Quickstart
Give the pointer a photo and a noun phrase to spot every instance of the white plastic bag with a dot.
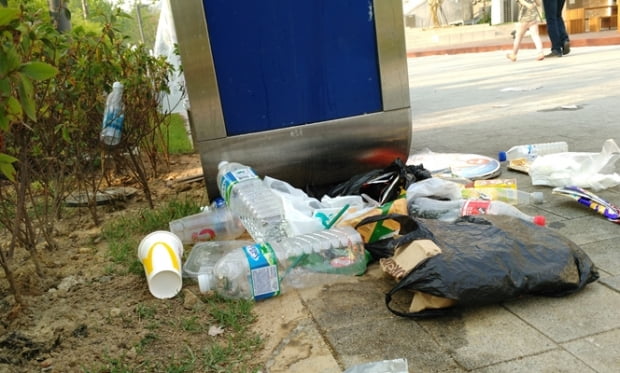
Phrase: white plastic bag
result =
(306, 214)
(595, 171)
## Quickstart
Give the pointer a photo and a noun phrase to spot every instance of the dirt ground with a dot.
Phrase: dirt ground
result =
(81, 317)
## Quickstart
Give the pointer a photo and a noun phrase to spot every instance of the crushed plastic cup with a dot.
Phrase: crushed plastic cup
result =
(160, 253)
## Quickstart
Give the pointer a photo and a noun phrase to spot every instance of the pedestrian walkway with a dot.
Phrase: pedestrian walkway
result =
(481, 103)
(437, 41)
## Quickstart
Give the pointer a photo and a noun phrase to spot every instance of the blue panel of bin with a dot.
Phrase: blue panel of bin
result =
(282, 63)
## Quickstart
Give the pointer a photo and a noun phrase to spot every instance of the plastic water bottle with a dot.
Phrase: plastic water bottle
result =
(113, 116)
(259, 208)
(531, 151)
(215, 222)
(262, 270)
(429, 208)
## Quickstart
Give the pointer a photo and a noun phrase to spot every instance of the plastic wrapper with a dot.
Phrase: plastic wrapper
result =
(596, 171)
(383, 366)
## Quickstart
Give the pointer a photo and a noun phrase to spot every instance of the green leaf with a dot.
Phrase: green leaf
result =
(6, 166)
(26, 97)
(9, 61)
(38, 70)
(14, 108)
(7, 15)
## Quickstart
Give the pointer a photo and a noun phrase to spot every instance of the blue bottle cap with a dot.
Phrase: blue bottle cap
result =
(219, 202)
(502, 156)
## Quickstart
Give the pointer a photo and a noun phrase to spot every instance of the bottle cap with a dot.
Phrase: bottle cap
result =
(117, 85)
(204, 282)
(219, 202)
(540, 220)
(222, 164)
(501, 156)
(537, 197)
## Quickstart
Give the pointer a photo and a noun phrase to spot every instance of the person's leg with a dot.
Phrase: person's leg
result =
(564, 39)
(520, 31)
(537, 41)
(551, 15)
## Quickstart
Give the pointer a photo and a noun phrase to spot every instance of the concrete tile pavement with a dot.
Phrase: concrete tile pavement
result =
(482, 103)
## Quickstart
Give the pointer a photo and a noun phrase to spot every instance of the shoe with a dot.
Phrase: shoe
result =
(540, 57)
(512, 57)
(566, 47)
(554, 54)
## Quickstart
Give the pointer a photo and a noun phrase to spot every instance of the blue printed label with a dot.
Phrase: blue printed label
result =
(231, 178)
(264, 280)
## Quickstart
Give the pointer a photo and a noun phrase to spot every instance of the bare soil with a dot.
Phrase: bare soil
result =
(82, 317)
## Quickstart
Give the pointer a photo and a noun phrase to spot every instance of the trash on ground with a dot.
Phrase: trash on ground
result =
(160, 253)
(215, 222)
(501, 190)
(521, 89)
(468, 166)
(590, 200)
(384, 366)
(596, 171)
(437, 198)
(481, 260)
(263, 270)
(306, 214)
(382, 185)
(202, 258)
(80, 199)
(257, 206)
(520, 157)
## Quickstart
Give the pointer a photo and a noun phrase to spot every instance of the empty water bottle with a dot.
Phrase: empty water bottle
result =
(429, 208)
(257, 206)
(113, 116)
(531, 151)
(262, 270)
(215, 222)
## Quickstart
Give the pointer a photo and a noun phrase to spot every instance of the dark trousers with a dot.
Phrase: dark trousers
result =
(555, 24)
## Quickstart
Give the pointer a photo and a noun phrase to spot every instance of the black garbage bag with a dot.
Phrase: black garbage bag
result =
(383, 185)
(485, 260)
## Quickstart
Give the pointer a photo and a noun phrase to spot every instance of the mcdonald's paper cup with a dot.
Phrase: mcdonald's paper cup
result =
(160, 253)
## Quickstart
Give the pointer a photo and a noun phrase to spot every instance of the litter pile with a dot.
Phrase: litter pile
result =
(449, 240)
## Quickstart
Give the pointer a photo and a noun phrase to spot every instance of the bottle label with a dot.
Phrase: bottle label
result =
(233, 177)
(263, 263)
(475, 207)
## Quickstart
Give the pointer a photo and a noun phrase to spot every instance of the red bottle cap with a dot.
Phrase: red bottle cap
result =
(540, 220)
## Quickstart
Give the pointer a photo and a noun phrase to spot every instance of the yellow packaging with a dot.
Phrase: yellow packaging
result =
(372, 232)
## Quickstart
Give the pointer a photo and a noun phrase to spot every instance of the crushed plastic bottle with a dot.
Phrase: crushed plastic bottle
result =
(263, 270)
(429, 208)
(257, 206)
(215, 222)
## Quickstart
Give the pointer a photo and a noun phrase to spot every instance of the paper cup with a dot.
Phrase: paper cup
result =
(160, 253)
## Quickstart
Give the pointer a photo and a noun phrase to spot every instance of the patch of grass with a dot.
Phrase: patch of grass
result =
(233, 351)
(178, 141)
(233, 314)
(191, 324)
(145, 312)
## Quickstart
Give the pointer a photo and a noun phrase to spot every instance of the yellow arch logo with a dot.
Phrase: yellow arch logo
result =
(148, 259)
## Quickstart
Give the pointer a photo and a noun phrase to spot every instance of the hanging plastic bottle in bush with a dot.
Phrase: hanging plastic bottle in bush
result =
(113, 116)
